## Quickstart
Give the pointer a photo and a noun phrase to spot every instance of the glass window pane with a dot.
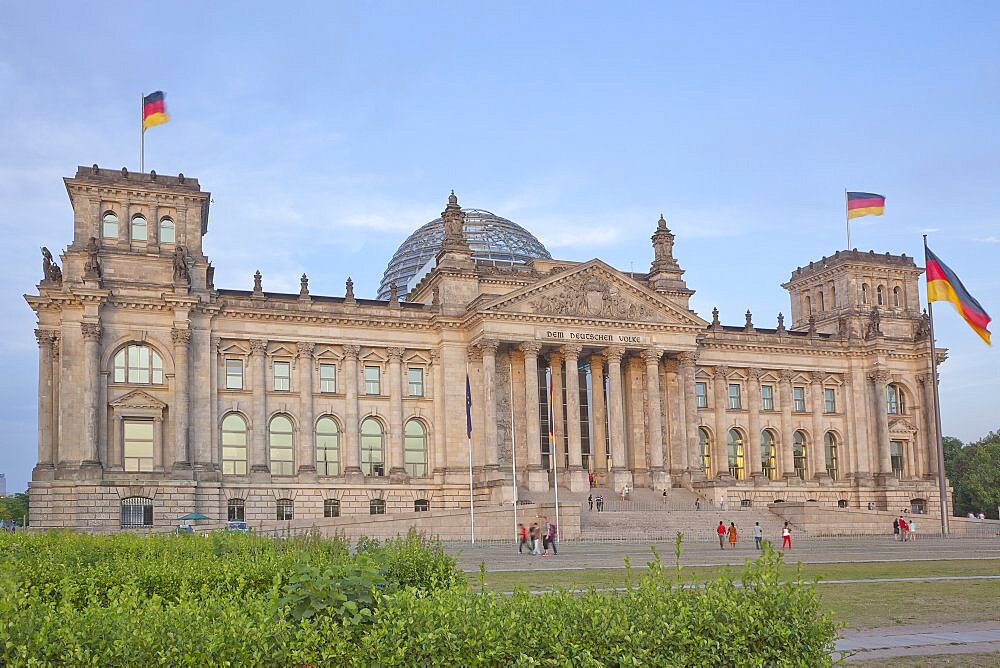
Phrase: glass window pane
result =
(416, 382)
(372, 384)
(166, 231)
(327, 378)
(109, 226)
(282, 373)
(138, 228)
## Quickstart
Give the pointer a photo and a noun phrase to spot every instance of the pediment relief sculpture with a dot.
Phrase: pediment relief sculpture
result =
(901, 425)
(138, 399)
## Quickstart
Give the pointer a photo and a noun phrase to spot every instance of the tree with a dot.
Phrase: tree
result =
(975, 476)
(14, 507)
(952, 448)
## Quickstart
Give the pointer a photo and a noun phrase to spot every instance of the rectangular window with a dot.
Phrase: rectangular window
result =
(896, 458)
(829, 400)
(282, 375)
(734, 396)
(327, 377)
(767, 397)
(799, 399)
(701, 395)
(234, 374)
(373, 384)
(415, 375)
(138, 445)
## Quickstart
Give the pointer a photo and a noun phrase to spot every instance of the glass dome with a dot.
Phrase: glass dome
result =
(493, 240)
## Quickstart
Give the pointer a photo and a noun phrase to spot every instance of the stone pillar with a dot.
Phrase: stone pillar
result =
(677, 431)
(558, 445)
(394, 461)
(635, 420)
(880, 379)
(91, 362)
(751, 449)
(538, 477)
(928, 427)
(57, 455)
(306, 454)
(686, 378)
(182, 405)
(45, 339)
(817, 469)
(598, 416)
(576, 475)
(351, 447)
(616, 409)
(489, 349)
(209, 449)
(654, 416)
(720, 453)
(258, 443)
(518, 421)
(787, 463)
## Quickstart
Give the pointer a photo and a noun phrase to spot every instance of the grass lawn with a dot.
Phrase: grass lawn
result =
(933, 661)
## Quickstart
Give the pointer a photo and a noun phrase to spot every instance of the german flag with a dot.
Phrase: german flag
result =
(154, 111)
(864, 204)
(943, 286)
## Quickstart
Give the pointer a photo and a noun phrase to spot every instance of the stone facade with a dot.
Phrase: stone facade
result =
(161, 394)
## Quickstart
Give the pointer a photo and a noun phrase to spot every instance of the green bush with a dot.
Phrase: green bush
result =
(238, 600)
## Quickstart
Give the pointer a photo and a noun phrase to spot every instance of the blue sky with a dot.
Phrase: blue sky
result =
(327, 132)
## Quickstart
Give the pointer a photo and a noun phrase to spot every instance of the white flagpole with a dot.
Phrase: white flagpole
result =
(552, 445)
(513, 447)
(468, 433)
(847, 213)
(939, 443)
(142, 135)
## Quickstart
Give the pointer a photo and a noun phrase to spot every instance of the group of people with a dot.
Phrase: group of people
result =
(539, 539)
(904, 530)
(977, 516)
(732, 535)
(597, 501)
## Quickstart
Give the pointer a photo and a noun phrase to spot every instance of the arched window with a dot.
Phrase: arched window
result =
(234, 445)
(767, 454)
(830, 446)
(833, 297)
(895, 296)
(137, 511)
(236, 510)
(705, 444)
(880, 295)
(734, 449)
(109, 225)
(139, 227)
(415, 449)
(809, 305)
(822, 302)
(285, 509)
(279, 433)
(372, 451)
(895, 399)
(799, 454)
(327, 446)
(138, 364)
(421, 506)
(331, 508)
(167, 235)
(376, 507)
(864, 293)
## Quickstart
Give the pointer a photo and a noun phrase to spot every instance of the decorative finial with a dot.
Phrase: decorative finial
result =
(452, 199)
(812, 325)
(661, 224)
(304, 286)
(749, 326)
(781, 323)
(393, 294)
(715, 318)
(454, 222)
(349, 296)
(257, 286)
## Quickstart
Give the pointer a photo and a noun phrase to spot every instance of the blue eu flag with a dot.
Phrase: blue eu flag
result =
(468, 407)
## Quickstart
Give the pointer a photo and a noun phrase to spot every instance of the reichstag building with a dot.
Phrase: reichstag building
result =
(161, 393)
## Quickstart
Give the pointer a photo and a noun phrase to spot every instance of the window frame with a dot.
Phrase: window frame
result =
(332, 507)
(831, 455)
(242, 373)
(415, 469)
(283, 382)
(705, 444)
(284, 509)
(286, 466)
(700, 394)
(128, 359)
(323, 466)
(236, 510)
(735, 454)
(371, 467)
(144, 511)
(768, 460)
(767, 397)
(376, 507)
(735, 398)
(421, 505)
(418, 383)
(798, 399)
(245, 447)
(332, 379)
(800, 453)
(105, 222)
(897, 462)
(132, 228)
(375, 383)
(829, 400)
(169, 225)
(140, 460)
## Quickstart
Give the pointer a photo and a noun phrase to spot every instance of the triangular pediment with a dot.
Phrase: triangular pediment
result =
(597, 292)
(901, 425)
(138, 399)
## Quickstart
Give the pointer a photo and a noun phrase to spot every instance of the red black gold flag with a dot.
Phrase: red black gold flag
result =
(154, 111)
(943, 286)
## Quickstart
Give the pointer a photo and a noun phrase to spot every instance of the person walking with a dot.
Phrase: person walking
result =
(903, 529)
(552, 538)
(523, 536)
(546, 527)
(533, 537)
(590, 501)
(786, 537)
(600, 503)
(590, 480)
(721, 530)
(758, 534)
(913, 529)
(895, 530)
(697, 504)
(732, 534)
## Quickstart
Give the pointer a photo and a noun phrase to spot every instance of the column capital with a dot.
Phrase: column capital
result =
(474, 353)
(45, 337)
(180, 336)
(722, 371)
(817, 377)
(530, 347)
(305, 349)
(786, 375)
(396, 354)
(351, 351)
(651, 356)
(614, 354)
(435, 356)
(924, 378)
(572, 350)
(488, 346)
(754, 374)
(687, 358)
(217, 343)
(555, 357)
(258, 346)
(91, 331)
(880, 375)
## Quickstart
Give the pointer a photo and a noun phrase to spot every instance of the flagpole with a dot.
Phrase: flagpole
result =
(142, 136)
(552, 445)
(847, 214)
(939, 443)
(513, 446)
(468, 433)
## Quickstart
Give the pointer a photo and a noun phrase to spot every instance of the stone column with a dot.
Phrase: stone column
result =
(394, 461)
(558, 445)
(306, 455)
(182, 404)
(686, 378)
(817, 469)
(930, 438)
(720, 453)
(576, 475)
(45, 339)
(616, 409)
(880, 379)
(258, 443)
(489, 349)
(518, 420)
(211, 458)
(57, 453)
(351, 447)
(679, 464)
(787, 463)
(91, 351)
(538, 477)
(751, 449)
(654, 416)
(599, 417)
